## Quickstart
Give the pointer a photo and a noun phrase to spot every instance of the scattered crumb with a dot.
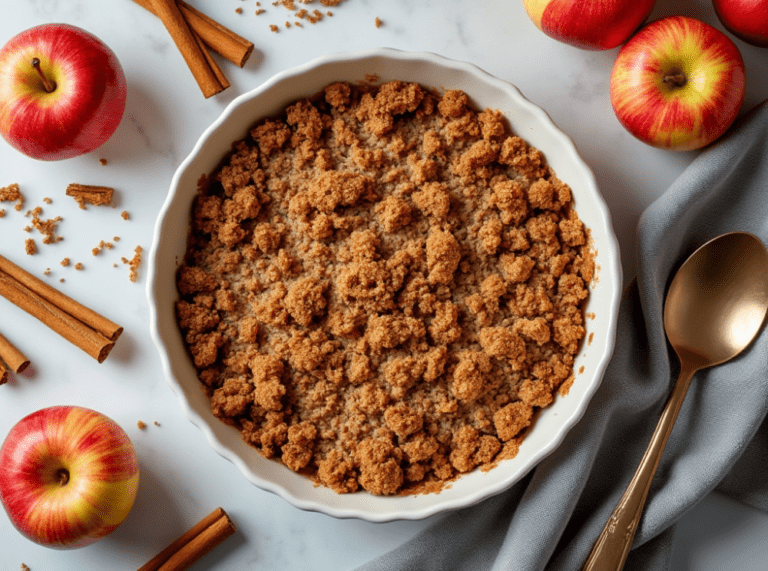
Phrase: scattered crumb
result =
(61, 280)
(78, 266)
(12, 193)
(273, 28)
(114, 265)
(24, 568)
(47, 272)
(46, 227)
(2, 212)
(134, 263)
(378, 22)
(239, 10)
(260, 11)
(30, 247)
(287, 24)
(65, 262)
(47, 200)
(101, 246)
(103, 162)
(156, 423)
(116, 239)
(141, 425)
(124, 214)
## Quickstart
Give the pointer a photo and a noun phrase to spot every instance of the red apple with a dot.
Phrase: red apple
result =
(591, 25)
(62, 92)
(678, 83)
(745, 19)
(68, 476)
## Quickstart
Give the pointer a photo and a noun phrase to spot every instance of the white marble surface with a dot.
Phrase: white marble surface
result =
(182, 478)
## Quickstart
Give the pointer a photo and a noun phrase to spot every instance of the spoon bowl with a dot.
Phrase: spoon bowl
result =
(717, 300)
(715, 307)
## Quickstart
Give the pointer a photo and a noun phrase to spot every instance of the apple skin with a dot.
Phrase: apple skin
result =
(590, 25)
(83, 110)
(745, 19)
(666, 115)
(101, 481)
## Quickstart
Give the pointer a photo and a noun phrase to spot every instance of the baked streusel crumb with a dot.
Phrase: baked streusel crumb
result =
(382, 285)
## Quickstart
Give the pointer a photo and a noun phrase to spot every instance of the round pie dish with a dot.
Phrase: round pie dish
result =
(526, 120)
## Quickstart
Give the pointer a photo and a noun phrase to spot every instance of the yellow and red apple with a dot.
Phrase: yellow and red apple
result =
(678, 83)
(62, 92)
(68, 476)
(591, 25)
(745, 19)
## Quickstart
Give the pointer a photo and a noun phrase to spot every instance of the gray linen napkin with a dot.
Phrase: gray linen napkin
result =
(551, 518)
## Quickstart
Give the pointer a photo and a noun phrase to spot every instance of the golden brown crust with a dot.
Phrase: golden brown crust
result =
(381, 286)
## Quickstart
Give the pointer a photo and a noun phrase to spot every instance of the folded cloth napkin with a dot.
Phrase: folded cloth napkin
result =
(551, 518)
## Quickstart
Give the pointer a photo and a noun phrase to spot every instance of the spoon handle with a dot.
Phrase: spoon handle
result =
(612, 547)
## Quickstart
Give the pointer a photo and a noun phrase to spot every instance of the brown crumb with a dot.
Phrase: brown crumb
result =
(273, 28)
(47, 272)
(47, 200)
(116, 239)
(30, 247)
(156, 423)
(141, 425)
(12, 193)
(24, 568)
(260, 11)
(378, 22)
(101, 246)
(65, 262)
(287, 24)
(78, 266)
(239, 10)
(134, 263)
(2, 212)
(103, 162)
(124, 215)
(46, 227)
(61, 280)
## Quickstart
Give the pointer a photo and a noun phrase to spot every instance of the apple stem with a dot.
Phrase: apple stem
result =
(63, 475)
(47, 84)
(675, 80)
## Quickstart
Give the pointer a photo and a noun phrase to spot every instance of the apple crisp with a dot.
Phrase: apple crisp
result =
(382, 285)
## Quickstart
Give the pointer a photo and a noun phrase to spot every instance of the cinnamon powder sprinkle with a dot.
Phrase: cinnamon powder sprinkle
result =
(382, 285)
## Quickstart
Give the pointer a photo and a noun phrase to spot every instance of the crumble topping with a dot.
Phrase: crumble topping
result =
(381, 286)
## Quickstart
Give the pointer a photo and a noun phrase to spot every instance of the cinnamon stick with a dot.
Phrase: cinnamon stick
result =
(177, 27)
(81, 313)
(220, 39)
(211, 62)
(194, 544)
(91, 194)
(11, 356)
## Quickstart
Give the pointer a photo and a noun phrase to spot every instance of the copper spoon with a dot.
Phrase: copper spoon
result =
(715, 306)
